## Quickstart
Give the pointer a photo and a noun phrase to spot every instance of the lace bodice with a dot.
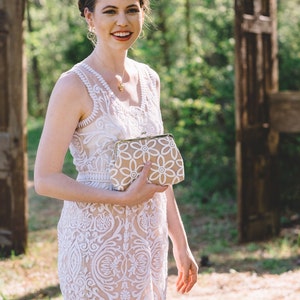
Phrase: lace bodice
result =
(110, 120)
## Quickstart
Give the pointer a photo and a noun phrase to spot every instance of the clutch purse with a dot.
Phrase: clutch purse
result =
(130, 156)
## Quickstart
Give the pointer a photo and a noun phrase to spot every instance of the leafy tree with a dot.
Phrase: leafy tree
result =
(289, 79)
(191, 45)
(52, 31)
(289, 45)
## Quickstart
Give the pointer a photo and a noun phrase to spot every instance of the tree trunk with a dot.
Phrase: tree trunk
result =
(13, 163)
(35, 63)
(162, 25)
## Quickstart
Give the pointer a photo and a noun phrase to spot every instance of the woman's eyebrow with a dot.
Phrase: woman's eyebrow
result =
(114, 7)
(109, 6)
(132, 5)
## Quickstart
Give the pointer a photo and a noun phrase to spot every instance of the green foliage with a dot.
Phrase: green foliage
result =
(53, 30)
(194, 60)
(34, 132)
(203, 67)
(289, 79)
(190, 43)
(35, 126)
(200, 128)
(197, 89)
(289, 45)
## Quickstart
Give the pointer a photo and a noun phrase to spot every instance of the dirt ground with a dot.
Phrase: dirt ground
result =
(33, 276)
(241, 286)
(214, 286)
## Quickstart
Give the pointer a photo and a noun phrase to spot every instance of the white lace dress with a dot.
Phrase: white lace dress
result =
(110, 251)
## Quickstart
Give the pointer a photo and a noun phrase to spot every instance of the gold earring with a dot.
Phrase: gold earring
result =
(142, 34)
(91, 35)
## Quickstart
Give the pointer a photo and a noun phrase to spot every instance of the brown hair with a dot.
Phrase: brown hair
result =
(90, 4)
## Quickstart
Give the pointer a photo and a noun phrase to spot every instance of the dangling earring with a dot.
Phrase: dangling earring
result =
(91, 35)
(142, 34)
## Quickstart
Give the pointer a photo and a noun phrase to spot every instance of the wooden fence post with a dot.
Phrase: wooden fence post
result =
(256, 143)
(13, 153)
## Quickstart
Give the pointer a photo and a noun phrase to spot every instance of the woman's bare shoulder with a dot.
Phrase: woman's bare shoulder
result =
(69, 82)
(70, 93)
(69, 89)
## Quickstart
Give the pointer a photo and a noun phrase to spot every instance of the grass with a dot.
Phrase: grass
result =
(34, 133)
(211, 228)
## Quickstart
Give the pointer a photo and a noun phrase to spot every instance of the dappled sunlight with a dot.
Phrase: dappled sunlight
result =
(33, 271)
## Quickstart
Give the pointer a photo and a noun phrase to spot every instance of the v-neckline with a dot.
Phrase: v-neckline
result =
(140, 105)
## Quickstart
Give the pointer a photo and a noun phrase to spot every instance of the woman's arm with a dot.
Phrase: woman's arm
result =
(186, 265)
(70, 103)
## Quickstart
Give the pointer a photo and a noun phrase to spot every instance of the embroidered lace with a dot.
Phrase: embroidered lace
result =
(109, 251)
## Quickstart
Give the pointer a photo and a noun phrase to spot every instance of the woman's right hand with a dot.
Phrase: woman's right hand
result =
(141, 190)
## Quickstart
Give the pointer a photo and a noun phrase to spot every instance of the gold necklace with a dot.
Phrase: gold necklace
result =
(118, 77)
(120, 81)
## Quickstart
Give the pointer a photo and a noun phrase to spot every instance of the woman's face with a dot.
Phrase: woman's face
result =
(117, 23)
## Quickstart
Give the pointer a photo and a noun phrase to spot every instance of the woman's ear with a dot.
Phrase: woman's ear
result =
(143, 15)
(88, 18)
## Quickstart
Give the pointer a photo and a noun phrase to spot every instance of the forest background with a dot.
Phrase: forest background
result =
(190, 43)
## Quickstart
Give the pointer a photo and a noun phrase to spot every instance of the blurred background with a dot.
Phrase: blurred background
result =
(190, 43)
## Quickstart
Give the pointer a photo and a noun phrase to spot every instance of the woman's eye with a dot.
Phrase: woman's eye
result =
(133, 11)
(109, 12)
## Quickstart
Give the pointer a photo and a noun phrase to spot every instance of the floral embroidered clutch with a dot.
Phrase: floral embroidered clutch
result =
(131, 155)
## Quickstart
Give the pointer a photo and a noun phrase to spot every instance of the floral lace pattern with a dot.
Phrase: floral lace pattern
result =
(131, 155)
(110, 251)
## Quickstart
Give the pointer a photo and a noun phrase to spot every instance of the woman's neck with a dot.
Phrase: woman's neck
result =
(114, 62)
(114, 68)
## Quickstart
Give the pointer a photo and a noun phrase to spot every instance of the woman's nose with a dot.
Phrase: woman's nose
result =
(122, 19)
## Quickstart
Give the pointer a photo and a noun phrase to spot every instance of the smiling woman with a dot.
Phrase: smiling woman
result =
(112, 244)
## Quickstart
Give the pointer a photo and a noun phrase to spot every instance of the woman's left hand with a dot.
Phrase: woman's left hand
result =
(187, 270)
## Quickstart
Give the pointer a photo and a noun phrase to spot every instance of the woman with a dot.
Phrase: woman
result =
(112, 245)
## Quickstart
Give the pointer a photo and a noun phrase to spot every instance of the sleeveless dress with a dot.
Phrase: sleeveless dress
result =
(111, 251)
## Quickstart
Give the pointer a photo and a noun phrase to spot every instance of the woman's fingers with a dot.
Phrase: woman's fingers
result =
(192, 279)
(186, 279)
(141, 190)
(145, 172)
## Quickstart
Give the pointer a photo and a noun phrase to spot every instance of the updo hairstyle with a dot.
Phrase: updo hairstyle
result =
(90, 4)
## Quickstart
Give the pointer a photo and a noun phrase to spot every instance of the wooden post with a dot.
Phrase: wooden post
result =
(13, 164)
(285, 111)
(256, 143)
